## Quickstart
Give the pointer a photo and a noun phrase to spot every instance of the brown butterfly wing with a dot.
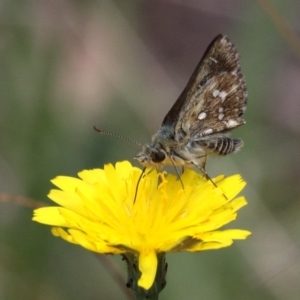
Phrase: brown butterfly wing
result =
(215, 97)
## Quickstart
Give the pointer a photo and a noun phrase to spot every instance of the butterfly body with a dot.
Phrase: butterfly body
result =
(211, 105)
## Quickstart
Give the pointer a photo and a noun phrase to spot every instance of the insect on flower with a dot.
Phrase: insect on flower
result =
(212, 104)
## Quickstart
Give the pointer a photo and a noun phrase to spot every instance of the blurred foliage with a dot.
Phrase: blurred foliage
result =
(66, 66)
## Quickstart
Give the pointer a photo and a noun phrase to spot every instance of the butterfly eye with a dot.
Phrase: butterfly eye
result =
(158, 156)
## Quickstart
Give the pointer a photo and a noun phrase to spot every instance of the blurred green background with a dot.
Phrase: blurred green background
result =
(66, 66)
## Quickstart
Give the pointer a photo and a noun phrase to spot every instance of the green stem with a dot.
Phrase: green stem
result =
(143, 297)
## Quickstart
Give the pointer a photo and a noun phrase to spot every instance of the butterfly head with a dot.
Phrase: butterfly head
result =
(151, 155)
(159, 151)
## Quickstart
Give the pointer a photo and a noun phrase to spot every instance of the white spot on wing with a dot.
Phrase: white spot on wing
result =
(221, 117)
(221, 109)
(231, 123)
(223, 95)
(216, 93)
(202, 116)
(207, 131)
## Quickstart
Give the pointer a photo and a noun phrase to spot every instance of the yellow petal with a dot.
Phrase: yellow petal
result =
(148, 267)
(49, 216)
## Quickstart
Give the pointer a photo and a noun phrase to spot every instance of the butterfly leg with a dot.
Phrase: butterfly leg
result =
(203, 159)
(201, 167)
(203, 171)
(200, 164)
(143, 174)
(138, 182)
(177, 172)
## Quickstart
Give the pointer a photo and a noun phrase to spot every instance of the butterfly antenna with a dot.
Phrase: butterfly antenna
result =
(137, 185)
(116, 135)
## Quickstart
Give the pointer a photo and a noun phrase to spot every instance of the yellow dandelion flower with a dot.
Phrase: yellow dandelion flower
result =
(98, 212)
